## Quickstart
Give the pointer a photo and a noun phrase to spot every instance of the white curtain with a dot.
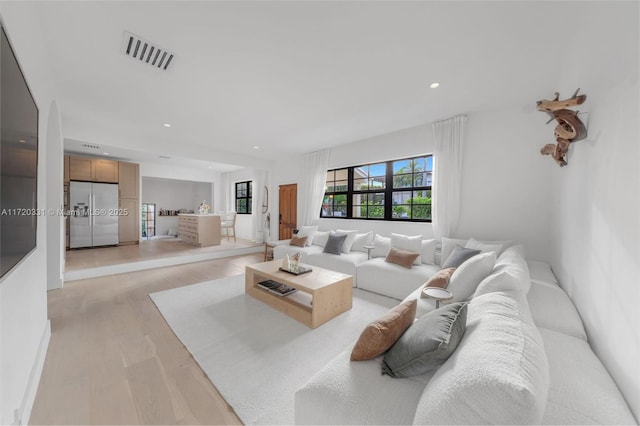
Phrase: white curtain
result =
(449, 136)
(259, 179)
(314, 177)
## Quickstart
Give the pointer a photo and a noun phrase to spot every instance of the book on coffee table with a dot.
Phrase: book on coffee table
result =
(276, 287)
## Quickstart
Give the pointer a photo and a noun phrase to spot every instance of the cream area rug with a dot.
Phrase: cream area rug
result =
(255, 356)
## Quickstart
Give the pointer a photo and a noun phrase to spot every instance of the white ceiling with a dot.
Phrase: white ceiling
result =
(293, 77)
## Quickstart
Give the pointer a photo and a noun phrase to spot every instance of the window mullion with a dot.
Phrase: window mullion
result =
(350, 192)
(388, 191)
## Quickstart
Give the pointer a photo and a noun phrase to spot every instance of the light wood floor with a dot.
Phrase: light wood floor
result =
(146, 250)
(113, 359)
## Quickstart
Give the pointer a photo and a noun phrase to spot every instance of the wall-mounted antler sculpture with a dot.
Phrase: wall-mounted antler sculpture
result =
(569, 129)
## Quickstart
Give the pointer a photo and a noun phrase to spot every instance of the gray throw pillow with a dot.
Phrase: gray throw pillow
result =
(428, 343)
(334, 244)
(458, 256)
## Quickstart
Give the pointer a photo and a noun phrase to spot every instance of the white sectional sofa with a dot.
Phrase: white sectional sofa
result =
(541, 369)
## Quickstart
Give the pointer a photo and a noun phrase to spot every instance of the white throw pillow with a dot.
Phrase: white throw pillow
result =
(412, 244)
(465, 279)
(361, 241)
(485, 247)
(320, 238)
(541, 272)
(348, 242)
(448, 244)
(498, 281)
(382, 246)
(499, 374)
(428, 252)
(309, 232)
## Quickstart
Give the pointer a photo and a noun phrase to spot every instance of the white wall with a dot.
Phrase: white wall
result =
(171, 194)
(56, 238)
(596, 219)
(504, 184)
(25, 330)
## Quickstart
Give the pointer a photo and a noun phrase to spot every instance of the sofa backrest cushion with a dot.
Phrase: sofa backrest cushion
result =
(499, 374)
(427, 343)
(465, 279)
(362, 240)
(428, 253)
(509, 273)
(382, 246)
(484, 246)
(320, 238)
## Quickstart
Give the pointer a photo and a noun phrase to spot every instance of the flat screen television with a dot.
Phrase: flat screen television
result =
(18, 161)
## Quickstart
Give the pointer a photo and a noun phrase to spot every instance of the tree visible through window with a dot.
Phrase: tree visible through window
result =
(243, 197)
(390, 190)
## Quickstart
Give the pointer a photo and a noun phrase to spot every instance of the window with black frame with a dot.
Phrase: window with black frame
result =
(243, 197)
(391, 190)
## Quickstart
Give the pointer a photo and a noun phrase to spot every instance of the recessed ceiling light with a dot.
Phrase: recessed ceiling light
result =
(164, 157)
(256, 147)
(22, 141)
(105, 153)
(434, 85)
(167, 125)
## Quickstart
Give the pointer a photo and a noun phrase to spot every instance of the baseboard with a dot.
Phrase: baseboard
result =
(34, 378)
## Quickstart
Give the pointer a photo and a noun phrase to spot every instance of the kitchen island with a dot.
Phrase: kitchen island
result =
(201, 230)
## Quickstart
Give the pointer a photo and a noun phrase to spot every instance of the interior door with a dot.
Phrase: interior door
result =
(288, 210)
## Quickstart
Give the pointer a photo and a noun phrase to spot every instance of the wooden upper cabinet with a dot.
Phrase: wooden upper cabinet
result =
(129, 179)
(92, 169)
(81, 168)
(105, 170)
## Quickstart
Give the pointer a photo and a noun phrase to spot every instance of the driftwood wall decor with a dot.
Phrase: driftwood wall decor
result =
(569, 128)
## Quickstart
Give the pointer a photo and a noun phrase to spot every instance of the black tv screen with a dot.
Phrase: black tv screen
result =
(18, 161)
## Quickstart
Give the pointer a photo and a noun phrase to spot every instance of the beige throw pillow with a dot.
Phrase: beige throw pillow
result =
(298, 241)
(380, 335)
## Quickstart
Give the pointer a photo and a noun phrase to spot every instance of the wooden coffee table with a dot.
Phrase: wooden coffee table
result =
(322, 294)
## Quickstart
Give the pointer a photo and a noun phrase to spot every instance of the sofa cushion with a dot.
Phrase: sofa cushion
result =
(348, 242)
(551, 308)
(499, 374)
(581, 389)
(353, 393)
(382, 246)
(391, 280)
(439, 279)
(541, 272)
(485, 246)
(427, 343)
(320, 238)
(401, 257)
(448, 244)
(381, 334)
(465, 279)
(407, 243)
(281, 250)
(298, 241)
(362, 240)
(458, 256)
(334, 244)
(428, 253)
(307, 231)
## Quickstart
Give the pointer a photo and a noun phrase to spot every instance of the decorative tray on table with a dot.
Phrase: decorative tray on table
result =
(301, 270)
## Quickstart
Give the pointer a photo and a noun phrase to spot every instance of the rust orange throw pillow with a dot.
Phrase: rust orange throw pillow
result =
(440, 278)
(401, 257)
(380, 335)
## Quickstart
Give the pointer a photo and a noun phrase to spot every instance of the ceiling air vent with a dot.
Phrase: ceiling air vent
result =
(90, 146)
(146, 52)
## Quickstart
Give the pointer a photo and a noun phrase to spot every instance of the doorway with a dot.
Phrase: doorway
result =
(288, 210)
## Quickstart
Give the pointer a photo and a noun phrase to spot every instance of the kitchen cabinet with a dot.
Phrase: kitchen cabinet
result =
(129, 186)
(199, 230)
(93, 169)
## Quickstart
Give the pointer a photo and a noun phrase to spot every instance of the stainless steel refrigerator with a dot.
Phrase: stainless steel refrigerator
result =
(94, 214)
